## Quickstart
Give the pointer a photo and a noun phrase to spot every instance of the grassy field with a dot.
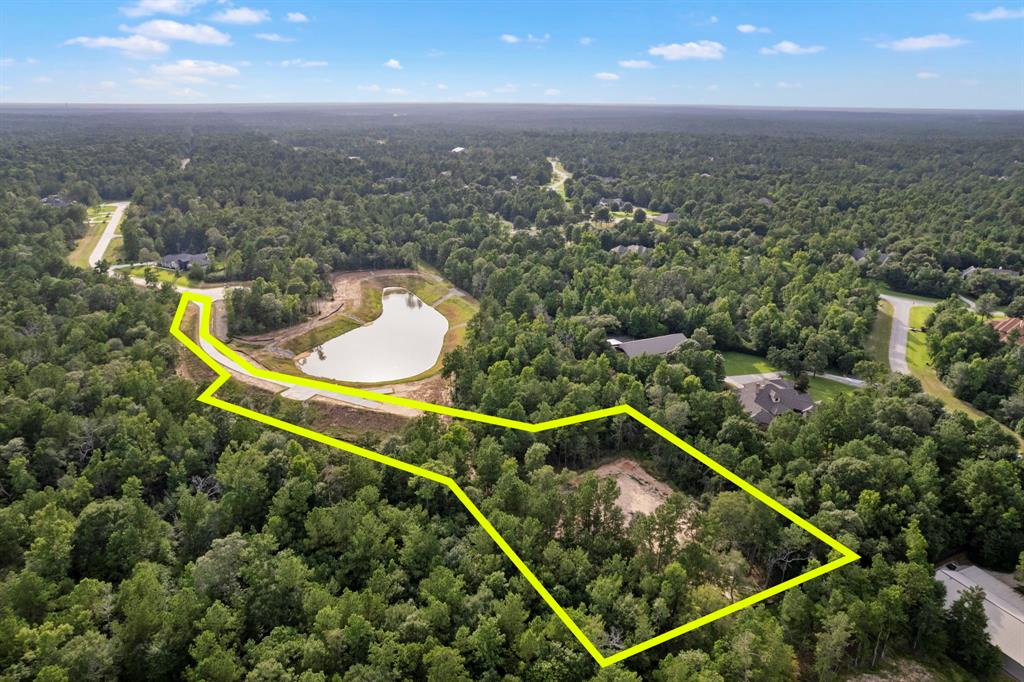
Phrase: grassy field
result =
(920, 365)
(561, 175)
(318, 335)
(98, 216)
(744, 363)
(458, 310)
(162, 275)
(878, 339)
(428, 290)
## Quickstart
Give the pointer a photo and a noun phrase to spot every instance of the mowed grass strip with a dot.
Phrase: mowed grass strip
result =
(881, 330)
(458, 310)
(96, 222)
(920, 364)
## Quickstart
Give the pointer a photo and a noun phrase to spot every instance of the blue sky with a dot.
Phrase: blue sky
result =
(965, 55)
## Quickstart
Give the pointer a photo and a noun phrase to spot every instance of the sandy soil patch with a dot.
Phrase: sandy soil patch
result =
(639, 492)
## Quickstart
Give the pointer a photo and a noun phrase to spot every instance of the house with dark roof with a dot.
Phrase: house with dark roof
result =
(766, 399)
(56, 200)
(183, 261)
(859, 254)
(664, 218)
(1006, 326)
(638, 249)
(656, 345)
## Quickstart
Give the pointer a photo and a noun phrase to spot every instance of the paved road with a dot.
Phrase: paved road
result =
(108, 232)
(900, 328)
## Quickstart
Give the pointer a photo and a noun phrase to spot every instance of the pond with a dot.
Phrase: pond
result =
(404, 341)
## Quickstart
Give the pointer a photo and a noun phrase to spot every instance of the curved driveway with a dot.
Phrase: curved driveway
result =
(108, 232)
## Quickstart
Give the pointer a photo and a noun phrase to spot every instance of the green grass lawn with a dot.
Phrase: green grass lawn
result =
(558, 186)
(97, 219)
(318, 335)
(878, 339)
(163, 275)
(745, 363)
(458, 310)
(920, 365)
(820, 388)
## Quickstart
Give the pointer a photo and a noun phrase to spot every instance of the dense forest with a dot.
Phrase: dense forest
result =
(146, 536)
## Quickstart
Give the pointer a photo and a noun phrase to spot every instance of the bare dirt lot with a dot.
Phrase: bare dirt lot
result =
(639, 492)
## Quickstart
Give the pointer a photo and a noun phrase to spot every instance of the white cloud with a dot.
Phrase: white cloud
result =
(296, 18)
(368, 88)
(194, 71)
(712, 19)
(927, 75)
(133, 46)
(42, 80)
(442, 86)
(586, 40)
(303, 63)
(606, 76)
(635, 64)
(789, 47)
(397, 91)
(274, 38)
(701, 49)
(476, 94)
(505, 89)
(31, 60)
(393, 64)
(929, 42)
(165, 29)
(509, 38)
(107, 85)
(241, 15)
(788, 85)
(997, 14)
(713, 87)
(434, 53)
(145, 8)
(7, 61)
(530, 38)
(187, 93)
(552, 92)
(750, 28)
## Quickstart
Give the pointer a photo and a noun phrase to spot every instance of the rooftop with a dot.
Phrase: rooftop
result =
(765, 399)
(656, 345)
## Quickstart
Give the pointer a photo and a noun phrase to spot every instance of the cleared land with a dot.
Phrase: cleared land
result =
(639, 492)
(96, 221)
(356, 301)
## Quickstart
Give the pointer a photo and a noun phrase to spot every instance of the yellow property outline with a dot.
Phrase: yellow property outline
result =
(846, 555)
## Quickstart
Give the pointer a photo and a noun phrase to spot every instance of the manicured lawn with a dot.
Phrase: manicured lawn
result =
(920, 365)
(745, 363)
(428, 290)
(825, 389)
(878, 340)
(820, 388)
(163, 275)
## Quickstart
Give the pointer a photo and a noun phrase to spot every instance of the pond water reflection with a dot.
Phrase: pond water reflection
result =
(404, 341)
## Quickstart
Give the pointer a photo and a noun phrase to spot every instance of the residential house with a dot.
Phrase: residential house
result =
(859, 254)
(1004, 610)
(56, 200)
(656, 345)
(999, 272)
(637, 249)
(664, 218)
(183, 261)
(766, 399)
(1006, 326)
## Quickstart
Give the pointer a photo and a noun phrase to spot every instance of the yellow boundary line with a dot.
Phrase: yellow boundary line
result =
(846, 555)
